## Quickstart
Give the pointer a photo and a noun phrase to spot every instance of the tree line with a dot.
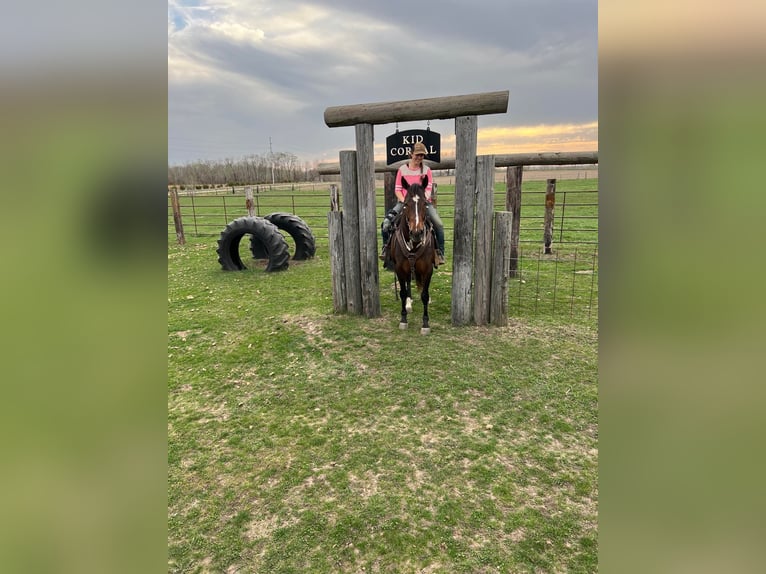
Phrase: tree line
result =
(277, 167)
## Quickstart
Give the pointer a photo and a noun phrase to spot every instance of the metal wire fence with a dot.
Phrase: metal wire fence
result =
(562, 283)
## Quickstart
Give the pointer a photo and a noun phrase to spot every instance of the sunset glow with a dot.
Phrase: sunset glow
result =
(523, 139)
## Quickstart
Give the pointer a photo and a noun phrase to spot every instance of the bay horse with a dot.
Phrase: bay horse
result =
(413, 251)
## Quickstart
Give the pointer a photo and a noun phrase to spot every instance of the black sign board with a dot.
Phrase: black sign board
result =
(399, 145)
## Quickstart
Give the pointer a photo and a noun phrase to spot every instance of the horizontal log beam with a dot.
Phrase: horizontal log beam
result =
(551, 158)
(547, 158)
(414, 110)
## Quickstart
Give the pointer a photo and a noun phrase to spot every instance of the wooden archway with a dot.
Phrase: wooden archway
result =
(357, 171)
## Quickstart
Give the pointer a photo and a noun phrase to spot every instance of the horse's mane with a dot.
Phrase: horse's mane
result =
(415, 189)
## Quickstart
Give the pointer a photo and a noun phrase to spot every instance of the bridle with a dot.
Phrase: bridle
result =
(415, 237)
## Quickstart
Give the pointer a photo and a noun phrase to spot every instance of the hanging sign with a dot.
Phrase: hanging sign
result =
(399, 145)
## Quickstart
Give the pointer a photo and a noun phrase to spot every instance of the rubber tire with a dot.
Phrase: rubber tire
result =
(305, 245)
(267, 234)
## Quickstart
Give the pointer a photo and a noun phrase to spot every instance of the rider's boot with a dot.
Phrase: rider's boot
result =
(385, 256)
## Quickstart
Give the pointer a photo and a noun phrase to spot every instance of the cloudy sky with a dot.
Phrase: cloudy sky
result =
(242, 72)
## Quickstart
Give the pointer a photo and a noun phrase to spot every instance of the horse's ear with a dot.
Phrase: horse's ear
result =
(424, 181)
(405, 184)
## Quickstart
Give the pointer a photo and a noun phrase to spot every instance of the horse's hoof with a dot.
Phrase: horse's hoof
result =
(425, 330)
(402, 326)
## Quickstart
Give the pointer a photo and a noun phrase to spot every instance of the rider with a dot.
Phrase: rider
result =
(412, 171)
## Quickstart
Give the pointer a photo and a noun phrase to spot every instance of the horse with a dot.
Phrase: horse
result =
(413, 251)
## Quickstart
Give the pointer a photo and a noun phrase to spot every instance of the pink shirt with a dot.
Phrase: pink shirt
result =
(412, 176)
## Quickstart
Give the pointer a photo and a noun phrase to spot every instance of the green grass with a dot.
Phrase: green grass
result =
(306, 441)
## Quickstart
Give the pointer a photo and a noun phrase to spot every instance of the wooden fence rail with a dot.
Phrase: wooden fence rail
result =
(501, 160)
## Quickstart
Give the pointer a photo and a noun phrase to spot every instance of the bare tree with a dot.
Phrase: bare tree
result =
(251, 169)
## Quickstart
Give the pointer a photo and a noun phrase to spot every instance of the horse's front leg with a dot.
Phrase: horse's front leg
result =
(425, 298)
(404, 295)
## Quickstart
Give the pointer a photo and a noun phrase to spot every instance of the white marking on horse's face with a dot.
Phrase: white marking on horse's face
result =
(417, 212)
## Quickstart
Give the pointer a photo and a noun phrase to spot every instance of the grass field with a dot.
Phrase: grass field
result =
(305, 441)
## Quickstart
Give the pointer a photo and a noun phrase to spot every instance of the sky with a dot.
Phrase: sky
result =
(249, 76)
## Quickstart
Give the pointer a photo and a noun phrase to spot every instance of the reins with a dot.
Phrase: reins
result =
(407, 247)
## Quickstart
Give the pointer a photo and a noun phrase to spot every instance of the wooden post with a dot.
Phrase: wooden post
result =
(550, 202)
(485, 187)
(413, 110)
(465, 193)
(368, 228)
(177, 221)
(434, 193)
(334, 205)
(337, 260)
(389, 197)
(513, 204)
(351, 232)
(498, 309)
(249, 201)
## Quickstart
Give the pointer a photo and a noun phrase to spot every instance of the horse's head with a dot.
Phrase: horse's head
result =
(414, 211)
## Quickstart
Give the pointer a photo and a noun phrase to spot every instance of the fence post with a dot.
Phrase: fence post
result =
(368, 228)
(550, 202)
(249, 201)
(334, 206)
(498, 309)
(180, 237)
(337, 263)
(389, 197)
(485, 187)
(465, 200)
(513, 204)
(351, 249)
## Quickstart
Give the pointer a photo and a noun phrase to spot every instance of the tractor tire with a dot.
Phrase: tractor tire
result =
(305, 245)
(267, 234)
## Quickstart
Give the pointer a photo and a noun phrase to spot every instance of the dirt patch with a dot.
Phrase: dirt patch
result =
(183, 335)
(261, 528)
(517, 535)
(366, 485)
(416, 480)
(311, 326)
(264, 527)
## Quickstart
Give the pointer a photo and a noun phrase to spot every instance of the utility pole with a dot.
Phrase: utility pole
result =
(271, 156)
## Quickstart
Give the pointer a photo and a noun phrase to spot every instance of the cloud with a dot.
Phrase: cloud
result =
(238, 68)
(538, 138)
